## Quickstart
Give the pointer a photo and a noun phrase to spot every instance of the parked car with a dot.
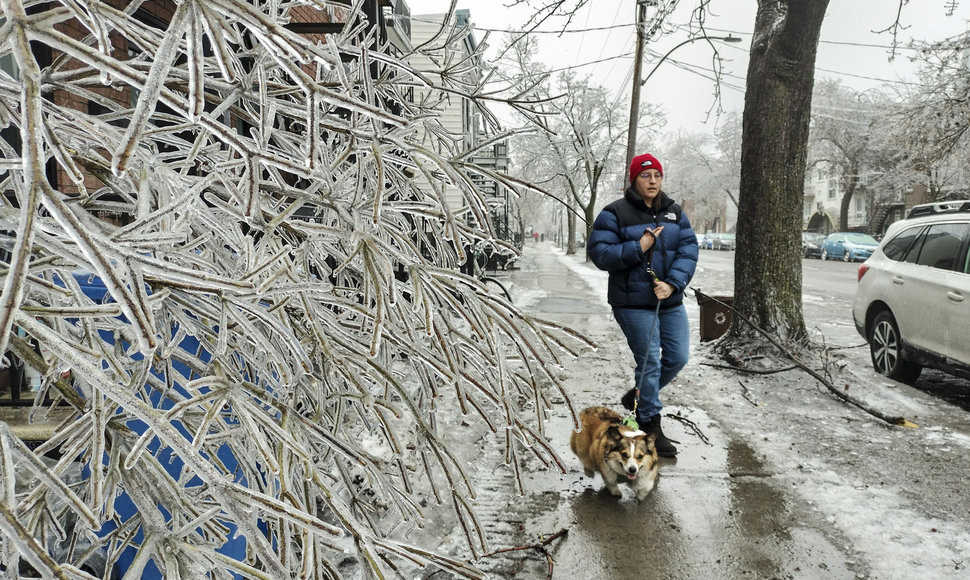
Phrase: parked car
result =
(848, 246)
(707, 242)
(913, 297)
(812, 244)
(724, 242)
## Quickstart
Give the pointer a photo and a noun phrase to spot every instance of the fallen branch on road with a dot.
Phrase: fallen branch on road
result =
(540, 547)
(697, 430)
(746, 393)
(839, 393)
(753, 371)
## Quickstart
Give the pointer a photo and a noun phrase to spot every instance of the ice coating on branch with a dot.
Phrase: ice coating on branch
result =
(249, 267)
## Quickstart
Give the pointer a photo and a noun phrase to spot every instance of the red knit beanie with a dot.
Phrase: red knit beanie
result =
(642, 162)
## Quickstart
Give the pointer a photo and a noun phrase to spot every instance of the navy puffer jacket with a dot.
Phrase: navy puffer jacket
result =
(614, 246)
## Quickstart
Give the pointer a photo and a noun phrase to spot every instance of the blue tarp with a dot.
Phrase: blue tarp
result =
(235, 547)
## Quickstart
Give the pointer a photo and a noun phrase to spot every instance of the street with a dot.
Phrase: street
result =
(776, 478)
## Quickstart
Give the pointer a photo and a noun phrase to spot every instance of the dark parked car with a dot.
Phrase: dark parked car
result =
(812, 244)
(912, 303)
(848, 246)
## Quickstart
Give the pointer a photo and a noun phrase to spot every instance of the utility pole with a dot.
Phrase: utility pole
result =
(631, 136)
(641, 24)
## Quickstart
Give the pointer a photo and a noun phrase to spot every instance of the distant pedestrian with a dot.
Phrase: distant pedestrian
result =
(535, 236)
(647, 245)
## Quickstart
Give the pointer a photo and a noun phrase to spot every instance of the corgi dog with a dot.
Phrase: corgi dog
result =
(616, 451)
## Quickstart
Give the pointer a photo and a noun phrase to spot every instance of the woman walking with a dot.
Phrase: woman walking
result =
(647, 245)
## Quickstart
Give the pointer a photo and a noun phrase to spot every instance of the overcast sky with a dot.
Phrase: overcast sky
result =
(852, 49)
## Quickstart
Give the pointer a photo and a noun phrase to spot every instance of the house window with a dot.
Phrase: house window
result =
(10, 133)
(9, 66)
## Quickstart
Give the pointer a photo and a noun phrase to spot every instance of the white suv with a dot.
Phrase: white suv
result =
(912, 304)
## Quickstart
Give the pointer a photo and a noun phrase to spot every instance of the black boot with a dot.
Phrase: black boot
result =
(628, 399)
(665, 448)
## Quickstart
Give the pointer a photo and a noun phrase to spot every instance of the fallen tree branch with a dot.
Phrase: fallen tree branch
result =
(745, 392)
(697, 430)
(540, 547)
(752, 371)
(892, 420)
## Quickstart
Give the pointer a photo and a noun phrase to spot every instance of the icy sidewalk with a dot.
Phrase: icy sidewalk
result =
(779, 480)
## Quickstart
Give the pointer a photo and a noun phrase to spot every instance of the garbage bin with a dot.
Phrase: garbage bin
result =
(715, 317)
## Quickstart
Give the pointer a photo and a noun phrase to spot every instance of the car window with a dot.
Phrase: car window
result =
(861, 239)
(913, 254)
(941, 245)
(896, 248)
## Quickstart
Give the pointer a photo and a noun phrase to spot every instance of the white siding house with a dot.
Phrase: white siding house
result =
(822, 200)
(455, 113)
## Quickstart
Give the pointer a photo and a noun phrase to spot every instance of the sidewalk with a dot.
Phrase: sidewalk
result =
(779, 479)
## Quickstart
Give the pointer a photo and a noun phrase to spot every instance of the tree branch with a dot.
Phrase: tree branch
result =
(892, 420)
(540, 547)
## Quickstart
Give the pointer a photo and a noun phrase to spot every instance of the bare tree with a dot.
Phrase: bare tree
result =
(574, 148)
(848, 137)
(704, 173)
(270, 342)
(583, 134)
(930, 124)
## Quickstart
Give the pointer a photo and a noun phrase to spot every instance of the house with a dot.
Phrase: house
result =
(877, 201)
(822, 200)
(460, 117)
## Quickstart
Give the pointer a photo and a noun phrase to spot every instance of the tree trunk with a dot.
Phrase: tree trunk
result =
(844, 208)
(571, 230)
(777, 109)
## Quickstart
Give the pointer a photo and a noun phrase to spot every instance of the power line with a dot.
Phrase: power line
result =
(695, 69)
(582, 39)
(603, 47)
(590, 63)
(702, 71)
(719, 30)
(560, 32)
(684, 66)
(833, 42)
(866, 78)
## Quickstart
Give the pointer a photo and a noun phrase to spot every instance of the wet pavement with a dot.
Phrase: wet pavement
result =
(765, 481)
(716, 512)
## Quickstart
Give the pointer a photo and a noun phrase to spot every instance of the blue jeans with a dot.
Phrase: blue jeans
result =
(669, 350)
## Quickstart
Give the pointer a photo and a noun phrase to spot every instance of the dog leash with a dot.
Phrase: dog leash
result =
(631, 420)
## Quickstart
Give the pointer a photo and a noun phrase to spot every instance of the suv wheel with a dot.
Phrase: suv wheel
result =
(885, 347)
(825, 255)
(846, 256)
